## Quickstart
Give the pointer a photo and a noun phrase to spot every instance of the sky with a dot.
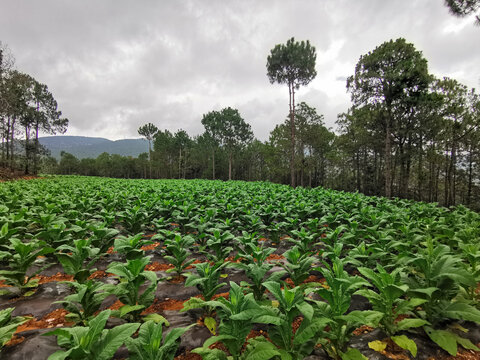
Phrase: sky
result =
(114, 65)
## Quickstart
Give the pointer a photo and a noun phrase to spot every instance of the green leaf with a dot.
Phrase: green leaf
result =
(125, 309)
(445, 339)
(405, 343)
(156, 318)
(410, 323)
(262, 351)
(462, 311)
(352, 354)
(113, 340)
(377, 345)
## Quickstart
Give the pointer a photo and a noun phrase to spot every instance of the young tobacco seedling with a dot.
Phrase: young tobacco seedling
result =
(92, 342)
(232, 333)
(389, 301)
(291, 304)
(256, 268)
(102, 236)
(131, 246)
(132, 276)
(338, 295)
(298, 266)
(133, 219)
(8, 325)
(20, 256)
(304, 240)
(206, 280)
(83, 304)
(74, 259)
(219, 244)
(177, 248)
(150, 345)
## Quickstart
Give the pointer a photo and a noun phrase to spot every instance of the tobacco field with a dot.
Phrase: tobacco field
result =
(97, 268)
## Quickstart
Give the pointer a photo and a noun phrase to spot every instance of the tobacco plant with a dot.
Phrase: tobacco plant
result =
(337, 294)
(150, 344)
(131, 246)
(78, 260)
(93, 342)
(291, 305)
(388, 299)
(177, 248)
(298, 265)
(232, 332)
(8, 325)
(20, 257)
(132, 276)
(85, 302)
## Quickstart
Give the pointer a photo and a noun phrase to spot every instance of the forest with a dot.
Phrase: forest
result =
(407, 133)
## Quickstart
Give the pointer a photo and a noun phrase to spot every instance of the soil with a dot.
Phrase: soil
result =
(8, 175)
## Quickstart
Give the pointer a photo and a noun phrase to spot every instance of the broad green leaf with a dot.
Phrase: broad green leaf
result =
(445, 339)
(109, 344)
(405, 343)
(353, 354)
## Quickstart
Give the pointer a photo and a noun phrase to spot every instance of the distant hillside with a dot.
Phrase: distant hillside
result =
(91, 147)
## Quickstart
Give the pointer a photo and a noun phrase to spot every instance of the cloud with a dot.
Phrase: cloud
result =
(114, 65)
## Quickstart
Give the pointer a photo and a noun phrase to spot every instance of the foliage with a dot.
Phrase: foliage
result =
(92, 342)
(8, 325)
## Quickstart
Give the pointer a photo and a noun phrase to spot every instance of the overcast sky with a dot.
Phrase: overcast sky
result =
(115, 65)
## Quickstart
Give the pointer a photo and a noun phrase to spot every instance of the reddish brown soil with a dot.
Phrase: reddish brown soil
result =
(57, 277)
(99, 274)
(2, 284)
(273, 257)
(310, 279)
(116, 305)
(225, 295)
(296, 323)
(150, 247)
(156, 266)
(233, 260)
(15, 340)
(191, 266)
(364, 329)
(189, 356)
(8, 175)
(177, 280)
(54, 319)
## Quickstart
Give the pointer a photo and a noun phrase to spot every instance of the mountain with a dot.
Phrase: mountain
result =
(91, 147)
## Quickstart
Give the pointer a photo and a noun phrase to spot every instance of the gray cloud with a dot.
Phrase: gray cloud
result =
(114, 65)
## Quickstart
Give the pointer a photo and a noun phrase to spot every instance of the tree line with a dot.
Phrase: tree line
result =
(27, 108)
(407, 134)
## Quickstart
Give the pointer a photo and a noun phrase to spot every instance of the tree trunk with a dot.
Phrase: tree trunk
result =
(470, 175)
(150, 157)
(35, 155)
(230, 165)
(12, 137)
(388, 159)
(291, 90)
(26, 150)
(213, 164)
(180, 163)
